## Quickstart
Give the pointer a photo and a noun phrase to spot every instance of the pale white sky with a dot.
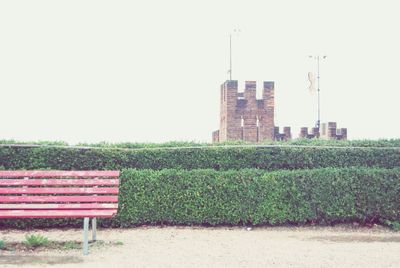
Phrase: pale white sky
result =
(88, 71)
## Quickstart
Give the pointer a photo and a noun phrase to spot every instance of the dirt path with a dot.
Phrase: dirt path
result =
(217, 247)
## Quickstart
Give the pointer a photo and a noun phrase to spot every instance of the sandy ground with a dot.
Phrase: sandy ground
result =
(216, 247)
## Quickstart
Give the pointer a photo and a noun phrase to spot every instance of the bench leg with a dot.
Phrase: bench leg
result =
(85, 236)
(94, 226)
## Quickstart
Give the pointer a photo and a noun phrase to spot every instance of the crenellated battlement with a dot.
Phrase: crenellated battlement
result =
(285, 136)
(304, 133)
(243, 116)
(230, 87)
(250, 85)
(329, 131)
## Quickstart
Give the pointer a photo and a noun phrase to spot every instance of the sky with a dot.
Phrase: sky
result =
(150, 71)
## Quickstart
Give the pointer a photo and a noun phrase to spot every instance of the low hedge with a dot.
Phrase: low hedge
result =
(137, 145)
(250, 197)
(218, 158)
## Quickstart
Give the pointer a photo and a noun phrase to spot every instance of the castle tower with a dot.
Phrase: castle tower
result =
(243, 116)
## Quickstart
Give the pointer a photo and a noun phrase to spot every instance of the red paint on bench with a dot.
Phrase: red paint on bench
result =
(58, 174)
(64, 199)
(58, 194)
(60, 182)
(61, 190)
(57, 213)
(55, 206)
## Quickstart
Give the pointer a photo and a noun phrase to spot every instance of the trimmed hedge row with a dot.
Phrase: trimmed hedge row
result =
(250, 196)
(310, 142)
(257, 197)
(220, 158)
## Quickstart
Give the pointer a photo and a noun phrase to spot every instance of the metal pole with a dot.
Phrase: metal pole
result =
(85, 236)
(94, 227)
(319, 109)
(230, 57)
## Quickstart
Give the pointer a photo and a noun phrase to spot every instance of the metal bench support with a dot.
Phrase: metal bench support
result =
(94, 226)
(85, 236)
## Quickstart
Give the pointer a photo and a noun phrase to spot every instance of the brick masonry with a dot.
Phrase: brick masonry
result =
(244, 117)
(329, 131)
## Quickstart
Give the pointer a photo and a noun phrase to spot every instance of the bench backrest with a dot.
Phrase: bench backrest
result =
(58, 194)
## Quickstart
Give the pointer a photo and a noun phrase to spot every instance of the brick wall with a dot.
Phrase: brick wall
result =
(243, 116)
(329, 131)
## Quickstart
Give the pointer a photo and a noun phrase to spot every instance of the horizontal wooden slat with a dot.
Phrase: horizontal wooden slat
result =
(64, 199)
(59, 206)
(56, 213)
(20, 190)
(58, 174)
(59, 182)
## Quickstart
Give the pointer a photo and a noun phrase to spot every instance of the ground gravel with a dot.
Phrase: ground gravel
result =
(341, 246)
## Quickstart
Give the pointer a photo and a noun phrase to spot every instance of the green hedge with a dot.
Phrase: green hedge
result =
(136, 145)
(220, 158)
(258, 197)
(251, 197)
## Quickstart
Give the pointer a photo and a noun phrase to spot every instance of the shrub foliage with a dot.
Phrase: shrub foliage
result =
(258, 197)
(250, 197)
(189, 183)
(308, 142)
(219, 158)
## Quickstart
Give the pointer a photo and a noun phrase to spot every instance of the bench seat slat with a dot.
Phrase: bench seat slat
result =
(59, 182)
(64, 190)
(56, 213)
(58, 174)
(65, 199)
(51, 206)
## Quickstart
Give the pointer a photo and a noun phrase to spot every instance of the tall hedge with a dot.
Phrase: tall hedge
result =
(258, 197)
(249, 196)
(220, 158)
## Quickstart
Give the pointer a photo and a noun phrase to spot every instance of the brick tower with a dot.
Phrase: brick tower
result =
(242, 116)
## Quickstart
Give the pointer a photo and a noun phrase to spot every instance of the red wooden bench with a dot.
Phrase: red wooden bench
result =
(60, 194)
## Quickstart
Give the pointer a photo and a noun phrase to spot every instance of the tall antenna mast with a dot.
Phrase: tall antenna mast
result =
(230, 56)
(237, 31)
